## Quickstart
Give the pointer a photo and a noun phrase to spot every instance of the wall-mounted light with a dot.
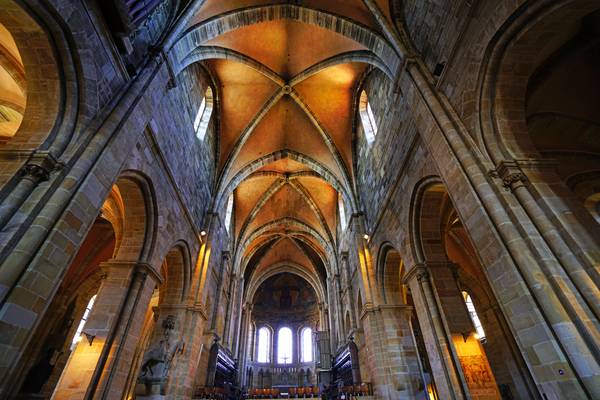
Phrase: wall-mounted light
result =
(90, 338)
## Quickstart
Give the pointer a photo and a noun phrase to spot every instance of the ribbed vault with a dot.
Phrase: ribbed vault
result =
(287, 76)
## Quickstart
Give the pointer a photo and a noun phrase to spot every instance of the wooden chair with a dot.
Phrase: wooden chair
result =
(293, 392)
(365, 389)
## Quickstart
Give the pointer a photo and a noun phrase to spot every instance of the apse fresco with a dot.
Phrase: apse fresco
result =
(285, 295)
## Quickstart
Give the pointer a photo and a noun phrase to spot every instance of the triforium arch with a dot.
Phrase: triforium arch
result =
(139, 217)
(390, 270)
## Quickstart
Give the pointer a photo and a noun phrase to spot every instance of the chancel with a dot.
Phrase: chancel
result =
(326, 199)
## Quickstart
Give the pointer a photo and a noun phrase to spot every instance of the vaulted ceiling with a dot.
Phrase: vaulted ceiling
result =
(287, 74)
(12, 86)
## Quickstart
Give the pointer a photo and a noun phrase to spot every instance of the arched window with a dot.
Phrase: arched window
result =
(229, 212)
(342, 211)
(203, 114)
(86, 314)
(367, 117)
(473, 315)
(307, 345)
(264, 345)
(284, 346)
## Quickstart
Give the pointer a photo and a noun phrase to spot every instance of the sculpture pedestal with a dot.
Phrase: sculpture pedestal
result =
(150, 389)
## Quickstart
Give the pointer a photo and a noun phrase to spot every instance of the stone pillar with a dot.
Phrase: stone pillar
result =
(449, 380)
(443, 275)
(349, 290)
(99, 366)
(237, 323)
(244, 343)
(402, 363)
(230, 314)
(510, 372)
(337, 295)
(183, 372)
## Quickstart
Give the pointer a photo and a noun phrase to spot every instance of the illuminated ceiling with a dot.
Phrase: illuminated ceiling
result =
(287, 79)
(12, 86)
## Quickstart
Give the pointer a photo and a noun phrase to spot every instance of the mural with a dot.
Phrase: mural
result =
(285, 296)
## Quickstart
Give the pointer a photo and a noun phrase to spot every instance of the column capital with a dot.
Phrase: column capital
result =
(136, 266)
(511, 174)
(421, 270)
(39, 166)
(418, 271)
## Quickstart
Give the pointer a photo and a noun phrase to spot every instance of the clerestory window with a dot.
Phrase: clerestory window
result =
(229, 212)
(367, 117)
(86, 314)
(203, 114)
(342, 211)
(474, 316)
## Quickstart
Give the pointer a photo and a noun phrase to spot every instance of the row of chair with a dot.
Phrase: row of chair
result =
(294, 393)
(210, 393)
(364, 389)
(306, 391)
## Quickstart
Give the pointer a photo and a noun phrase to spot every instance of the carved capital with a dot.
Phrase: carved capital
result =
(422, 275)
(514, 180)
(418, 272)
(511, 174)
(35, 173)
(39, 166)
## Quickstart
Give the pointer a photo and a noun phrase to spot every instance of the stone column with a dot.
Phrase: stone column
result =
(99, 366)
(183, 372)
(449, 380)
(337, 295)
(349, 289)
(402, 363)
(230, 314)
(244, 343)
(237, 324)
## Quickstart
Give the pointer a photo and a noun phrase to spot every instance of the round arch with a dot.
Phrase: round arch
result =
(139, 218)
(281, 267)
(46, 70)
(177, 274)
(501, 92)
(427, 242)
(390, 270)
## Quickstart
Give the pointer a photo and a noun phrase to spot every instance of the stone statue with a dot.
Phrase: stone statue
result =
(158, 359)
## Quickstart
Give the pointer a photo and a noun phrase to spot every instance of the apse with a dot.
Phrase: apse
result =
(285, 317)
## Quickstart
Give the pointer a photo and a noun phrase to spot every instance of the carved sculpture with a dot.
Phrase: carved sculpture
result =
(159, 358)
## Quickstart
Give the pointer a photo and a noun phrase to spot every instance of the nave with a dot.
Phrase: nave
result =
(326, 199)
